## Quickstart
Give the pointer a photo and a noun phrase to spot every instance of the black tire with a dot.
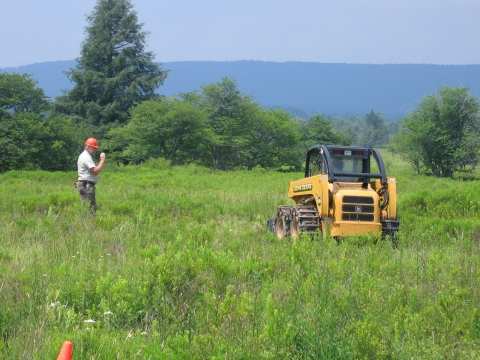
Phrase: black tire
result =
(271, 225)
(282, 226)
(294, 227)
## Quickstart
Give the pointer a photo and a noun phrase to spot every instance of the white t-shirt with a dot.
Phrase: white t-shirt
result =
(84, 164)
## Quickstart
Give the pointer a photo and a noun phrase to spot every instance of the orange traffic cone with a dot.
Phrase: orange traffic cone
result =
(66, 351)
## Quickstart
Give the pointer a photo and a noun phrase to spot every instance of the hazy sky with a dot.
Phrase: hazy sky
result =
(327, 31)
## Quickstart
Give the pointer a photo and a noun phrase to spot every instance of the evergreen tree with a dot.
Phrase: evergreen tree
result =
(375, 131)
(113, 72)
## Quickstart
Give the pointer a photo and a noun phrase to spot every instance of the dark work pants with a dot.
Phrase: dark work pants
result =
(87, 193)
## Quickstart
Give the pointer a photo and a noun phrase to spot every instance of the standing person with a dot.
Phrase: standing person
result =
(88, 172)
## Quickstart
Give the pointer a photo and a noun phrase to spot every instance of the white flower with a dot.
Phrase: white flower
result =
(144, 333)
(129, 335)
(107, 313)
(89, 321)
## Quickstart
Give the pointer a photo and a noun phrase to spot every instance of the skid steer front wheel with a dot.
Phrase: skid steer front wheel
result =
(295, 226)
(282, 226)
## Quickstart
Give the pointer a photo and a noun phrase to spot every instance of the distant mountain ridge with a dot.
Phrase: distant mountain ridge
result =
(304, 88)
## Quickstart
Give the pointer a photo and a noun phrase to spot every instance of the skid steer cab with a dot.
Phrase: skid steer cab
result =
(345, 192)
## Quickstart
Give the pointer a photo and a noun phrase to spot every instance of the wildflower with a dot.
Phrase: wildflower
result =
(89, 321)
(108, 313)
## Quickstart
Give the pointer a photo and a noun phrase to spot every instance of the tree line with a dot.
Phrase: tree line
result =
(217, 127)
(114, 100)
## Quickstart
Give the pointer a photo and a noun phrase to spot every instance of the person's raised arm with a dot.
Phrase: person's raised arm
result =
(96, 170)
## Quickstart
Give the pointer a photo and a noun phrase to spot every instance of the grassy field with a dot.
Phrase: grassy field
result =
(178, 264)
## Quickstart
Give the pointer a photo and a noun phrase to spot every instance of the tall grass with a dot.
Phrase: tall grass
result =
(178, 264)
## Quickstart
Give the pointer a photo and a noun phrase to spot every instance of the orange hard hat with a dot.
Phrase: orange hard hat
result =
(92, 142)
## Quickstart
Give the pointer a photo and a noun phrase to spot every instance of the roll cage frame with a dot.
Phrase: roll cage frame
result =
(330, 152)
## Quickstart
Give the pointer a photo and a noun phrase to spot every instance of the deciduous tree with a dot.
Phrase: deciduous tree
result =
(29, 138)
(22, 105)
(226, 108)
(167, 128)
(441, 135)
(272, 138)
(318, 130)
